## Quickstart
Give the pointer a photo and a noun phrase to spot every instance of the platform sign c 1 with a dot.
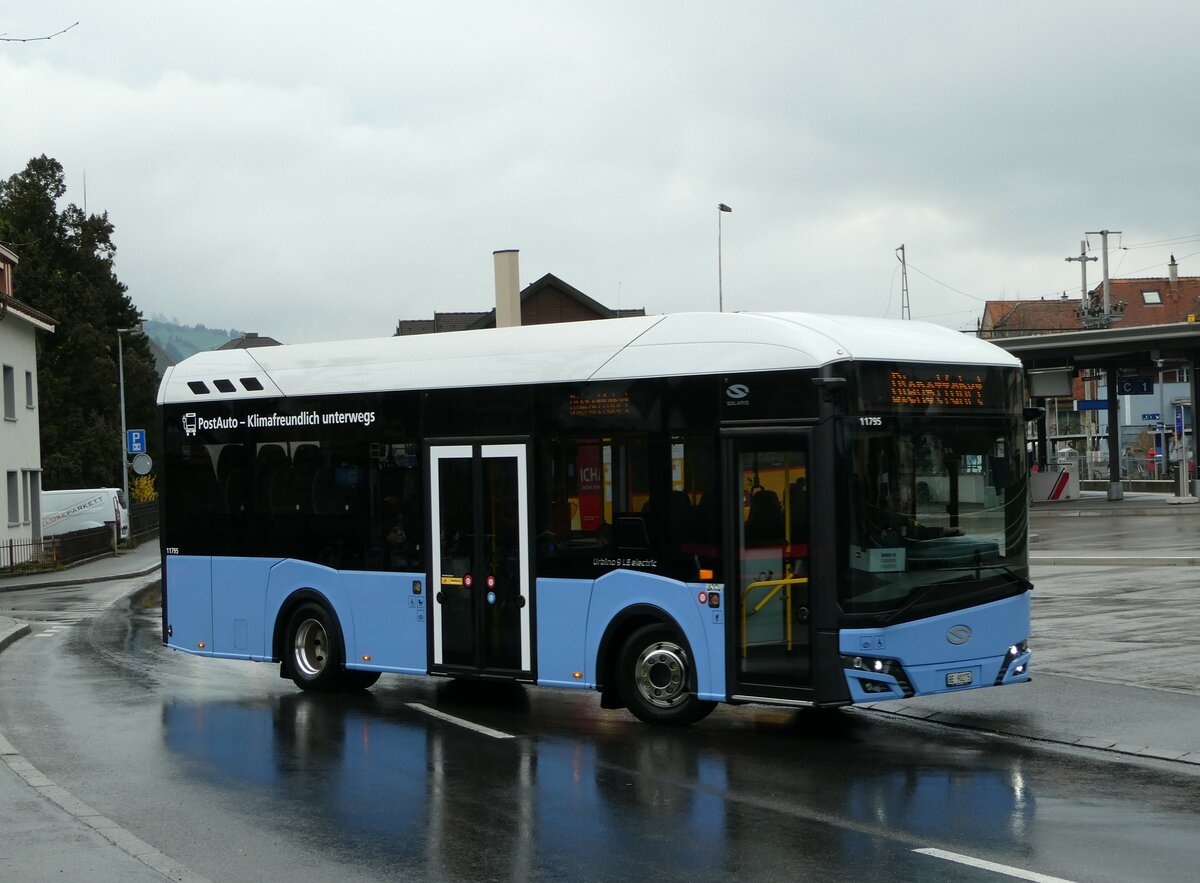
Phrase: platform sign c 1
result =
(1135, 386)
(135, 441)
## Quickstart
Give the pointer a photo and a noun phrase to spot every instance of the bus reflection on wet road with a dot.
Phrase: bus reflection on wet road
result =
(228, 770)
(373, 775)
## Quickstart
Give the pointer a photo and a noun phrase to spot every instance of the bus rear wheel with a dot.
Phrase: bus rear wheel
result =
(313, 655)
(655, 676)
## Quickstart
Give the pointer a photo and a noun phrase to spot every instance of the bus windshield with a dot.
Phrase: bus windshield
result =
(937, 514)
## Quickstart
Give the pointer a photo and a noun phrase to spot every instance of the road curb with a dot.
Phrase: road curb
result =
(111, 831)
(18, 630)
(1165, 509)
(1053, 559)
(968, 722)
(72, 581)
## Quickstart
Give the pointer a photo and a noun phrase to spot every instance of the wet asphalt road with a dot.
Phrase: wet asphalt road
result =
(233, 773)
(238, 776)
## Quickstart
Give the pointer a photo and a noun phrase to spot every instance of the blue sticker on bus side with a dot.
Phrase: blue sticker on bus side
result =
(389, 624)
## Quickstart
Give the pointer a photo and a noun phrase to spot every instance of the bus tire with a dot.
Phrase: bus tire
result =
(313, 652)
(655, 675)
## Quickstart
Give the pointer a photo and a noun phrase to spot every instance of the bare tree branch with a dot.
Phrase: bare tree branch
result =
(4, 39)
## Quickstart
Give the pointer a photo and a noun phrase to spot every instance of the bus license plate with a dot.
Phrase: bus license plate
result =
(958, 679)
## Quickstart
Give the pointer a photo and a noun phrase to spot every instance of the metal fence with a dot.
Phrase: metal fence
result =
(50, 553)
(143, 521)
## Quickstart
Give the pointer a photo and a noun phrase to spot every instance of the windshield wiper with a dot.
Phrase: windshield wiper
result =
(922, 593)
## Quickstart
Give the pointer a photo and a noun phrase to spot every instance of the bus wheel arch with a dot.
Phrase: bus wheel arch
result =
(311, 648)
(644, 647)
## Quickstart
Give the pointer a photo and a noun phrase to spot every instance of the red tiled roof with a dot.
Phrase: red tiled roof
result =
(1127, 300)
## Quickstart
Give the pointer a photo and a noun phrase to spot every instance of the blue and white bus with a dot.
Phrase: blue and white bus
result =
(671, 510)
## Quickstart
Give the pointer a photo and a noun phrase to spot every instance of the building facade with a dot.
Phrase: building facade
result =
(20, 444)
(1154, 397)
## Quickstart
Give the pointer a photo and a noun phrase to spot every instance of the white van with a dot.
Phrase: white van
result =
(71, 510)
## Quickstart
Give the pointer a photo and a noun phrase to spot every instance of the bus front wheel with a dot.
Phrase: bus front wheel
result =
(655, 676)
(313, 654)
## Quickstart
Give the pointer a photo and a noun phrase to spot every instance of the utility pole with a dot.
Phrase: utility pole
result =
(1103, 234)
(905, 309)
(1083, 259)
(1083, 297)
(721, 209)
(1115, 490)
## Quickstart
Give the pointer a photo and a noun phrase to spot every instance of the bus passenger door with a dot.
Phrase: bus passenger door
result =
(479, 559)
(770, 606)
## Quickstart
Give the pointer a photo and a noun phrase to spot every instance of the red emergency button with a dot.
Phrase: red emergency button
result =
(702, 597)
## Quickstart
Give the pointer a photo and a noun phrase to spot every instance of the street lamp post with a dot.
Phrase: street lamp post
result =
(124, 453)
(721, 209)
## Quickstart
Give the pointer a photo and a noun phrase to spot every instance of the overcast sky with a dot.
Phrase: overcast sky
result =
(319, 171)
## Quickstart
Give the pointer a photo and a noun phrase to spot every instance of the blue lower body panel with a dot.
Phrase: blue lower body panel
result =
(963, 650)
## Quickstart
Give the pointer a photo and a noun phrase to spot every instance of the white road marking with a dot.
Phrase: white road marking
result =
(1007, 870)
(478, 728)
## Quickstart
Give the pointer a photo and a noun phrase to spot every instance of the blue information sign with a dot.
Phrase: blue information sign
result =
(1150, 418)
(1179, 419)
(135, 441)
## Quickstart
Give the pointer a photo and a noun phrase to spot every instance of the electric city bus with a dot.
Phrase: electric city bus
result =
(673, 510)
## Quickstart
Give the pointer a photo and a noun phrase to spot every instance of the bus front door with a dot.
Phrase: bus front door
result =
(479, 559)
(771, 623)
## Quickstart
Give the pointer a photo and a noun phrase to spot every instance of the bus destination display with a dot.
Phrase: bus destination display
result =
(942, 390)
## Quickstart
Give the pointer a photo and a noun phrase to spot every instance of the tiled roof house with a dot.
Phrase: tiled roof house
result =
(543, 302)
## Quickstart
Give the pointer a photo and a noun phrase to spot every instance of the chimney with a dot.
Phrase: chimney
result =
(1173, 272)
(508, 288)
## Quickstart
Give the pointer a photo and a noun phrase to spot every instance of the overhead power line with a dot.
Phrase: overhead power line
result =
(7, 39)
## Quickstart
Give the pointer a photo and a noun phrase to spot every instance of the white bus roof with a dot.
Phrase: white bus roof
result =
(672, 345)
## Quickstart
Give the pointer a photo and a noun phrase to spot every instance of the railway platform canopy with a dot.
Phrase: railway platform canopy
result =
(1051, 361)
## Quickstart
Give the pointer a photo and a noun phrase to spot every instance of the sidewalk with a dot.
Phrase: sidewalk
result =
(62, 837)
(1096, 503)
(140, 561)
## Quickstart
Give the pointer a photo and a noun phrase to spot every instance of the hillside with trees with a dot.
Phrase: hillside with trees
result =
(180, 341)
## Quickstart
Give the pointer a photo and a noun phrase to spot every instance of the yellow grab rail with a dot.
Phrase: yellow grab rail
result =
(775, 585)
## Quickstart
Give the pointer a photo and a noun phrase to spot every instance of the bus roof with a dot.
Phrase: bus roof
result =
(671, 345)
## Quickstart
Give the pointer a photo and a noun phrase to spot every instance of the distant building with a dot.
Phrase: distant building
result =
(546, 301)
(20, 426)
(249, 340)
(1132, 303)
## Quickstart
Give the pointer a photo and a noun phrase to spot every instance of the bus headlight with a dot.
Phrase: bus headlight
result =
(871, 664)
(1017, 650)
